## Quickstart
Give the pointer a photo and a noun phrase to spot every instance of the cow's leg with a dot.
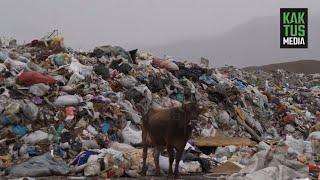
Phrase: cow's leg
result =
(156, 159)
(145, 153)
(171, 158)
(178, 157)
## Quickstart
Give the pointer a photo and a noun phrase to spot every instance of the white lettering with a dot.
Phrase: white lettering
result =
(286, 40)
(293, 41)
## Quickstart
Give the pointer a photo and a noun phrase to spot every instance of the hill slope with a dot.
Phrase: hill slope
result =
(303, 66)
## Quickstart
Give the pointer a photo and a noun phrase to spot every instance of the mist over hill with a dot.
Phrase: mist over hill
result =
(256, 42)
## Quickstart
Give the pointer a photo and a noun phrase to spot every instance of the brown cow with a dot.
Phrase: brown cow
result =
(171, 128)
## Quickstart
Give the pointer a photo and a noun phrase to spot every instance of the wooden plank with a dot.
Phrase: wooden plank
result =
(222, 141)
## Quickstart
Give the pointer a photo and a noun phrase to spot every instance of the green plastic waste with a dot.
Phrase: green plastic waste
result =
(180, 97)
(59, 60)
(233, 122)
(57, 136)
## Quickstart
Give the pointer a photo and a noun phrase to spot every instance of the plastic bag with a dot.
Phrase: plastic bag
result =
(131, 136)
(44, 165)
(36, 137)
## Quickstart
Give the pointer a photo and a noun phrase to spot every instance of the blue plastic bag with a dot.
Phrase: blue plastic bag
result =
(105, 127)
(240, 84)
(19, 130)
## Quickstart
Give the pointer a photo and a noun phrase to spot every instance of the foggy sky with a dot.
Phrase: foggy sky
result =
(134, 23)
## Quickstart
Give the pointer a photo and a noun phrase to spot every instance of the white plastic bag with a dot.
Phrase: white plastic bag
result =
(131, 136)
(184, 167)
(67, 100)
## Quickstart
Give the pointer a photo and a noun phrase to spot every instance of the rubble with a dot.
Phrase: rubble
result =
(68, 113)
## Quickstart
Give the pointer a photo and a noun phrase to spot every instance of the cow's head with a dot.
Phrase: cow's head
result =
(193, 110)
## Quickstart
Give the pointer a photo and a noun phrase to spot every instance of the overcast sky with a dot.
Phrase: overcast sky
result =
(130, 23)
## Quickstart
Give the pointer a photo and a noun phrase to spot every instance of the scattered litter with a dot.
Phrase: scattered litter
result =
(87, 109)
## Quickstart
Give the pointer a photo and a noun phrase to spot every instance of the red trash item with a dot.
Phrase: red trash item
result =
(32, 77)
(313, 167)
(69, 112)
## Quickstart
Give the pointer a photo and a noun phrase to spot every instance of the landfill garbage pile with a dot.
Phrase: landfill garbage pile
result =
(68, 113)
